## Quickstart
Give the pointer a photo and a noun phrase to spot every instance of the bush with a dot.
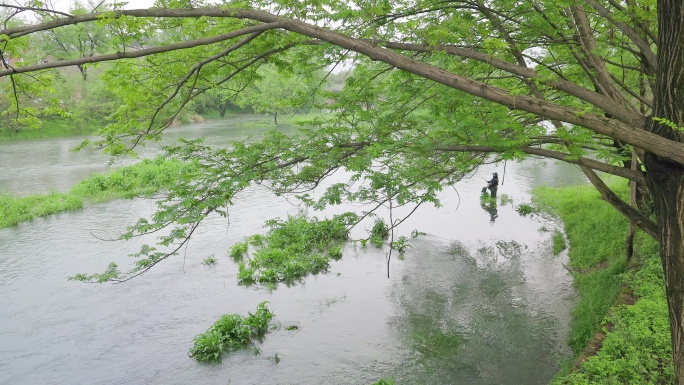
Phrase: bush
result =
(293, 249)
(229, 332)
(379, 233)
(238, 250)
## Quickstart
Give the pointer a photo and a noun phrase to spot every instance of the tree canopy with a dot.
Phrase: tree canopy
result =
(437, 89)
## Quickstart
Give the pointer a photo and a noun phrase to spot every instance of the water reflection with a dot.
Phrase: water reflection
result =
(490, 206)
(474, 325)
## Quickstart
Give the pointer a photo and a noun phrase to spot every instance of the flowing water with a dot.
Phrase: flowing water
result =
(479, 299)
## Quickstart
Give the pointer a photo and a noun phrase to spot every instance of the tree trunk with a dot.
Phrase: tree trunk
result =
(667, 185)
(84, 73)
(632, 202)
(664, 178)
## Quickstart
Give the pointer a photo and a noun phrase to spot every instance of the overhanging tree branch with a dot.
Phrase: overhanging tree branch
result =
(624, 129)
(643, 46)
(581, 161)
(142, 52)
(649, 227)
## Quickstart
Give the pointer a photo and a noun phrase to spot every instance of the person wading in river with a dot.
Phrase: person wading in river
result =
(492, 185)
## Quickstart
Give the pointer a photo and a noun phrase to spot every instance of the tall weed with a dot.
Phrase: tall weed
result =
(14, 210)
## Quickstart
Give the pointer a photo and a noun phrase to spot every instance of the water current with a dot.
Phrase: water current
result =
(479, 299)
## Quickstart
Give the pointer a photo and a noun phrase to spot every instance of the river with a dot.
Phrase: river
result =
(479, 299)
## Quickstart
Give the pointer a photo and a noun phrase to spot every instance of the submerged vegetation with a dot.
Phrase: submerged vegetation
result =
(525, 209)
(385, 381)
(379, 233)
(231, 331)
(141, 179)
(636, 348)
(293, 248)
(558, 242)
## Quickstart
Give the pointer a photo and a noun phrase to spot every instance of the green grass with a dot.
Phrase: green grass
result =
(385, 381)
(636, 349)
(15, 210)
(144, 178)
(52, 129)
(558, 242)
(596, 234)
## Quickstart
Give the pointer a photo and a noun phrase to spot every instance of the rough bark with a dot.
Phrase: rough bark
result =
(666, 179)
(666, 182)
(632, 202)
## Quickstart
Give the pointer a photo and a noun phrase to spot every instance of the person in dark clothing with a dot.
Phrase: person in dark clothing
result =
(492, 185)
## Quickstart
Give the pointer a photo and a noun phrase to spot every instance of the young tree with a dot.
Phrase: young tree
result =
(436, 87)
(280, 92)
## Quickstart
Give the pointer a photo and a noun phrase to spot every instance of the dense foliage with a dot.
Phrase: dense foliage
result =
(293, 249)
(436, 86)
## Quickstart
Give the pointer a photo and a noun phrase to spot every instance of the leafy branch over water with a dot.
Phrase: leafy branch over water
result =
(291, 250)
(287, 166)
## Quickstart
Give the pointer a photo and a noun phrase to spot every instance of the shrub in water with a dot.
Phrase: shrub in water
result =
(238, 250)
(293, 248)
(379, 232)
(525, 209)
(229, 332)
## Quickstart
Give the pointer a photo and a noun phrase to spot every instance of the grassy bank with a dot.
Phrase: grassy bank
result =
(636, 348)
(66, 127)
(53, 128)
(143, 178)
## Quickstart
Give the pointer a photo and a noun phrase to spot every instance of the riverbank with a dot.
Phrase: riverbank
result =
(62, 128)
(620, 327)
(56, 128)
